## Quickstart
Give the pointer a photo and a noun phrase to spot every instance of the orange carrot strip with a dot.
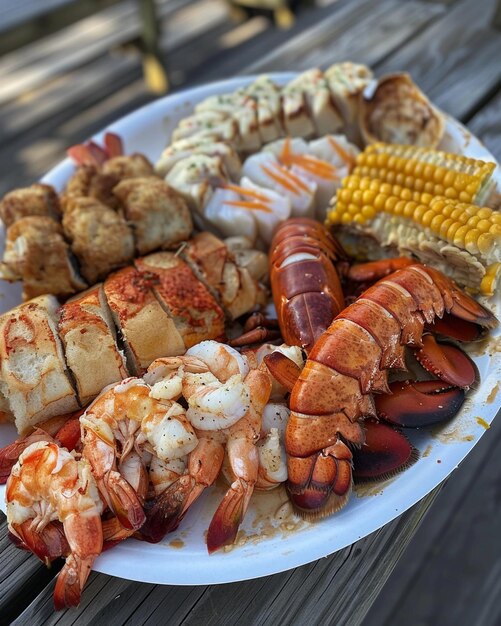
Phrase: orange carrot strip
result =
(286, 153)
(316, 170)
(256, 206)
(280, 180)
(244, 191)
(292, 176)
(342, 152)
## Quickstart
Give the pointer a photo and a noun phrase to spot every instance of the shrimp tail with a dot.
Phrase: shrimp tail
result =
(123, 500)
(71, 581)
(85, 538)
(169, 508)
(224, 526)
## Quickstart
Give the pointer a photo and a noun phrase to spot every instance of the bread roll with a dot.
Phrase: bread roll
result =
(39, 199)
(33, 370)
(157, 214)
(194, 309)
(89, 338)
(147, 329)
(37, 254)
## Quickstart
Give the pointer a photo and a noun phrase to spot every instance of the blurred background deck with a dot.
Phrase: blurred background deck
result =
(59, 89)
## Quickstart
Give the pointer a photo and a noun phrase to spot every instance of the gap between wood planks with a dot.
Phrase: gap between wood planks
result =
(77, 126)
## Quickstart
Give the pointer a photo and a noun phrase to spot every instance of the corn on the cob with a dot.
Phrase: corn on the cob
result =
(430, 171)
(464, 238)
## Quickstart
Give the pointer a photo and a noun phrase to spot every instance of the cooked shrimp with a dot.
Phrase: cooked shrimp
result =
(49, 485)
(118, 428)
(225, 403)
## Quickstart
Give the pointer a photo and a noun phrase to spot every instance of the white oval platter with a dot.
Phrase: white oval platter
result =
(268, 544)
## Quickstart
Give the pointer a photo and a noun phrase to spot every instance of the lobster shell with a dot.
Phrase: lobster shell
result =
(305, 285)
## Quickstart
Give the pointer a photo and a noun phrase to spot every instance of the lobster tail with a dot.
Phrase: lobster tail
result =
(320, 484)
(306, 287)
(348, 363)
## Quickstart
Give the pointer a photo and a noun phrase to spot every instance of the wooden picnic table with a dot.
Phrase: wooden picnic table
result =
(452, 51)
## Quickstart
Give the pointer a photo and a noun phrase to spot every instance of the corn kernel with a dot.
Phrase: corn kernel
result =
(436, 222)
(427, 217)
(390, 204)
(406, 194)
(352, 182)
(419, 212)
(376, 185)
(399, 207)
(400, 178)
(495, 218)
(368, 196)
(353, 209)
(368, 212)
(392, 161)
(461, 181)
(409, 209)
(429, 187)
(470, 240)
(485, 213)
(412, 183)
(445, 227)
(390, 177)
(365, 183)
(438, 205)
(428, 172)
(453, 228)
(357, 197)
(380, 201)
(426, 198)
(439, 175)
(346, 218)
(483, 225)
(485, 243)
(472, 188)
(359, 219)
(439, 190)
(344, 195)
(397, 190)
(419, 169)
(495, 230)
(371, 160)
(382, 160)
(473, 221)
(449, 177)
(409, 167)
(451, 193)
(460, 235)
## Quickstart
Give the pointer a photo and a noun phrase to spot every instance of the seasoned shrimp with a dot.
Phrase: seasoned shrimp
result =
(120, 429)
(225, 403)
(48, 487)
(271, 447)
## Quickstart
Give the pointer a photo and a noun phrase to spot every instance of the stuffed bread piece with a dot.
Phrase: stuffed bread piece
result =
(89, 337)
(33, 372)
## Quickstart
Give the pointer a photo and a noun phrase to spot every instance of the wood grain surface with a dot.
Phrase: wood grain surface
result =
(450, 573)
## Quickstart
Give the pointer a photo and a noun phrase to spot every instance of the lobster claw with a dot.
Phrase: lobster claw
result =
(447, 362)
(412, 404)
(456, 328)
(386, 452)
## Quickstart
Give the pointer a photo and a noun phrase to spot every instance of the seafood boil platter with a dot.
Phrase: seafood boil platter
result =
(255, 166)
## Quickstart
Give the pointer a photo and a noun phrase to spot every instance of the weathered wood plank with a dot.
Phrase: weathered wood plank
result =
(85, 41)
(449, 575)
(453, 61)
(39, 125)
(364, 31)
(299, 594)
(22, 576)
(486, 125)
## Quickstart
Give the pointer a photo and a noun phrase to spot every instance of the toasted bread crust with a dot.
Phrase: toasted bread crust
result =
(91, 350)
(148, 331)
(33, 370)
(196, 313)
